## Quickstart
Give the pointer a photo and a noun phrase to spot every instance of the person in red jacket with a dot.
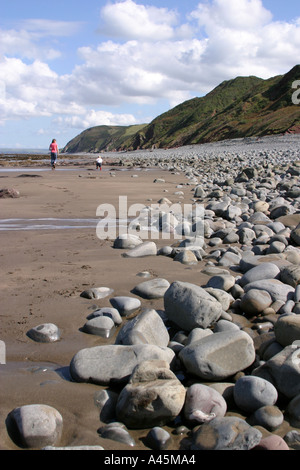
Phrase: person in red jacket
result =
(54, 153)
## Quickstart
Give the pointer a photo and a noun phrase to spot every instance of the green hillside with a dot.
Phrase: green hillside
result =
(242, 107)
(101, 138)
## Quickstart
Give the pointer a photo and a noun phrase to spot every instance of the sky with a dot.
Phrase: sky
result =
(66, 66)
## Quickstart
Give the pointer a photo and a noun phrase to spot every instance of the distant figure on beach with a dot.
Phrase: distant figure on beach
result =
(99, 162)
(54, 153)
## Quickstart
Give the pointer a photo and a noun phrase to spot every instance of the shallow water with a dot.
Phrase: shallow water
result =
(50, 224)
(21, 169)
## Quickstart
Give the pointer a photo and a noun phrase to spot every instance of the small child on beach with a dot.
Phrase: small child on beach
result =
(99, 163)
(54, 153)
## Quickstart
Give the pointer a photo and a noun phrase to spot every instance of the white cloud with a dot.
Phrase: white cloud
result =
(45, 28)
(242, 39)
(241, 15)
(96, 118)
(24, 44)
(32, 38)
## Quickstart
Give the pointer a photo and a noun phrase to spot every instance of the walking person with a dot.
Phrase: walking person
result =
(54, 153)
(99, 162)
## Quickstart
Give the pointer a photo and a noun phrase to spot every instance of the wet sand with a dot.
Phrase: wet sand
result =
(43, 273)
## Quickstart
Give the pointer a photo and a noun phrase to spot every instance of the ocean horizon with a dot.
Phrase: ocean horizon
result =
(21, 151)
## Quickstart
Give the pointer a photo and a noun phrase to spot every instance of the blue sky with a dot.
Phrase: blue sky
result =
(66, 65)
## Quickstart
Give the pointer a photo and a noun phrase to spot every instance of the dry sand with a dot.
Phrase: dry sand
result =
(43, 273)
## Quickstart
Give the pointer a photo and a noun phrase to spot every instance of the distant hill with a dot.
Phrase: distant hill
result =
(100, 138)
(242, 107)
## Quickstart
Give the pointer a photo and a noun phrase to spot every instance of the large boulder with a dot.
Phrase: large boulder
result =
(7, 193)
(153, 397)
(190, 306)
(262, 271)
(146, 328)
(219, 356)
(255, 301)
(203, 403)
(287, 329)
(277, 289)
(283, 371)
(35, 426)
(110, 364)
(152, 289)
(142, 250)
(290, 275)
(251, 393)
(228, 433)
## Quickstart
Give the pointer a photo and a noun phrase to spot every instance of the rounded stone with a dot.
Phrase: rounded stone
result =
(186, 257)
(107, 312)
(293, 411)
(142, 250)
(150, 401)
(101, 325)
(127, 241)
(295, 235)
(255, 301)
(190, 306)
(272, 442)
(111, 364)
(117, 432)
(261, 206)
(96, 293)
(287, 329)
(269, 417)
(251, 393)
(276, 247)
(9, 193)
(261, 272)
(125, 305)
(225, 325)
(145, 328)
(158, 439)
(74, 448)
(292, 438)
(283, 370)
(221, 281)
(196, 334)
(277, 289)
(45, 333)
(106, 401)
(228, 433)
(35, 426)
(219, 356)
(203, 403)
(153, 289)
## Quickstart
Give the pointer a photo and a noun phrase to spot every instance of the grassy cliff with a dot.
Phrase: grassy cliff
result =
(242, 107)
(99, 138)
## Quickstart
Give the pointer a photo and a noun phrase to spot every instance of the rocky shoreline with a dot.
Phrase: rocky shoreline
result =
(219, 363)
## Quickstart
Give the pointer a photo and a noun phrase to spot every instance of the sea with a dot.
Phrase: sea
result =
(9, 151)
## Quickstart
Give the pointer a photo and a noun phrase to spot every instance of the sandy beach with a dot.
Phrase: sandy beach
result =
(44, 271)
